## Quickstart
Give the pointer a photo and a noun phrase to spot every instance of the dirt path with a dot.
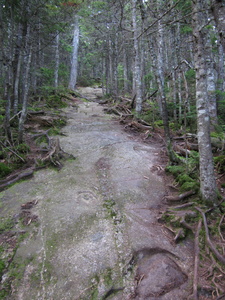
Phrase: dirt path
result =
(97, 235)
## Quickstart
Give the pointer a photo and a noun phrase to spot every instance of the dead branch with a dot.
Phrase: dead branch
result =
(45, 121)
(40, 112)
(178, 149)
(196, 263)
(180, 234)
(144, 122)
(16, 115)
(27, 173)
(13, 152)
(192, 146)
(181, 196)
(138, 126)
(220, 257)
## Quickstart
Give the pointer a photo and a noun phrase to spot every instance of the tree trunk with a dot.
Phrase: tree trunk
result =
(161, 85)
(218, 9)
(137, 69)
(16, 83)
(211, 81)
(74, 61)
(125, 71)
(56, 71)
(25, 97)
(220, 74)
(207, 177)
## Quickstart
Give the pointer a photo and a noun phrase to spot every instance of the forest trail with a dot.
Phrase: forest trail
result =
(98, 235)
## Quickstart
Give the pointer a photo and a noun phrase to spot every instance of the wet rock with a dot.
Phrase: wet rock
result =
(157, 275)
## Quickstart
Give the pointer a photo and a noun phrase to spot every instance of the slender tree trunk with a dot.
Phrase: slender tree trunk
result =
(56, 71)
(218, 10)
(174, 95)
(220, 73)
(16, 83)
(125, 71)
(207, 177)
(211, 81)
(74, 61)
(161, 85)
(180, 98)
(25, 97)
(115, 64)
(137, 69)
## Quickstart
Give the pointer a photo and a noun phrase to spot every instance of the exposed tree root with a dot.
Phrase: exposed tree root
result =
(182, 206)
(181, 196)
(220, 257)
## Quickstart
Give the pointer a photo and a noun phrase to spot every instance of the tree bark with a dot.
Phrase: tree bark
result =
(137, 69)
(74, 60)
(25, 97)
(56, 71)
(207, 178)
(161, 85)
(218, 9)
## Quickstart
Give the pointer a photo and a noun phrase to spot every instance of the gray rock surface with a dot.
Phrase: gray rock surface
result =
(98, 236)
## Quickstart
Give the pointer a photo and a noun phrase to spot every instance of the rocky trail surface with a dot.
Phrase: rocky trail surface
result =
(97, 235)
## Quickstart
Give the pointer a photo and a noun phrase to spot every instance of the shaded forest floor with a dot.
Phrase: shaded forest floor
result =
(105, 225)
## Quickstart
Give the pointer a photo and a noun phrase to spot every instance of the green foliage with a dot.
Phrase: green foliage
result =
(186, 29)
(221, 107)
(60, 122)
(120, 71)
(175, 170)
(190, 74)
(47, 75)
(2, 267)
(186, 174)
(220, 163)
(182, 178)
(23, 148)
(6, 224)
(4, 170)
(148, 78)
(184, 6)
(159, 123)
(55, 101)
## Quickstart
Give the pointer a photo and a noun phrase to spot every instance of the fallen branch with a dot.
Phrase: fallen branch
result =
(181, 196)
(138, 126)
(220, 257)
(27, 173)
(178, 149)
(40, 112)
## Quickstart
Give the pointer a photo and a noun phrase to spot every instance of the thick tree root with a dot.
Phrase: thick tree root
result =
(220, 257)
